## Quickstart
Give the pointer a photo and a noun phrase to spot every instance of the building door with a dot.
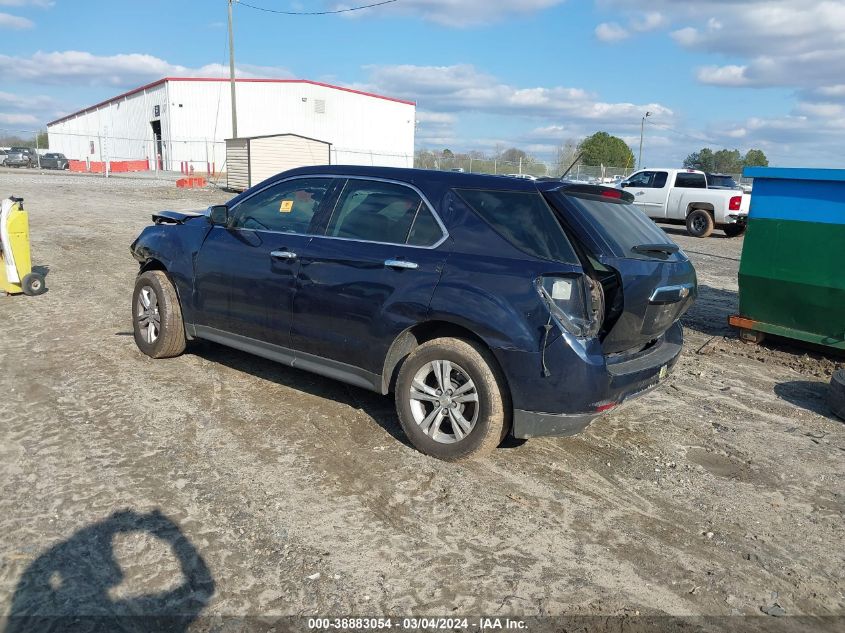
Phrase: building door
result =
(158, 145)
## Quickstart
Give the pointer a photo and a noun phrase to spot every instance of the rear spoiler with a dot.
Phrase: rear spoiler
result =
(175, 217)
(606, 194)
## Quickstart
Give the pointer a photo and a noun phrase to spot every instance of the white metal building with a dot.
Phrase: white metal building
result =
(179, 119)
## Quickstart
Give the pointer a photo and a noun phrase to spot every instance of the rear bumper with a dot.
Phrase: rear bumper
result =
(613, 381)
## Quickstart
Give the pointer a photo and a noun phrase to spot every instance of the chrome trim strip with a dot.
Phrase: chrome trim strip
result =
(350, 239)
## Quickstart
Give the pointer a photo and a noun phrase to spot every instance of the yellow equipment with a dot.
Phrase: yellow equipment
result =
(16, 274)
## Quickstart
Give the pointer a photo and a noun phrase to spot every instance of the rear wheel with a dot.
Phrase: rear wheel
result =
(452, 401)
(734, 230)
(157, 316)
(700, 223)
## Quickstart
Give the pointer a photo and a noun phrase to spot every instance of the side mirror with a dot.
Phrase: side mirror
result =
(219, 214)
(623, 184)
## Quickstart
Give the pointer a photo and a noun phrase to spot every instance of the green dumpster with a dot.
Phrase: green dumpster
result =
(792, 272)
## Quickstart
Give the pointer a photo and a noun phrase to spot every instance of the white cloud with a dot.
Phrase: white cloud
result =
(454, 13)
(648, 22)
(123, 70)
(464, 88)
(17, 119)
(43, 4)
(730, 75)
(637, 23)
(611, 32)
(8, 21)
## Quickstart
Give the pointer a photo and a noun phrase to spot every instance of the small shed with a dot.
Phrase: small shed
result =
(251, 160)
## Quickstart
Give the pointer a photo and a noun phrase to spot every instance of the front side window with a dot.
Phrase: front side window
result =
(287, 207)
(523, 219)
(375, 211)
(642, 179)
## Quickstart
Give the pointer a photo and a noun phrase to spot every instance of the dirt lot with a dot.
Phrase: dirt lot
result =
(273, 491)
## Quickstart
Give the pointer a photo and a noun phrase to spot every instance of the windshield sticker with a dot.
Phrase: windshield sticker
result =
(286, 206)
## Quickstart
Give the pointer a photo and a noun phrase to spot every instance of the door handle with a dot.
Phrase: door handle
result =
(639, 193)
(283, 255)
(400, 263)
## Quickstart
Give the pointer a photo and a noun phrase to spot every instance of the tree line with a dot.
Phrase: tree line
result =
(599, 149)
(725, 161)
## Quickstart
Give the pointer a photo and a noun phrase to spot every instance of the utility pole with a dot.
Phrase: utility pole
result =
(642, 131)
(232, 74)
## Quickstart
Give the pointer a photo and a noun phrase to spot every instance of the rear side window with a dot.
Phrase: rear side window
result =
(376, 211)
(690, 181)
(523, 219)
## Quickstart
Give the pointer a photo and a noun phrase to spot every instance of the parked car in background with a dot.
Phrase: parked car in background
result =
(523, 176)
(3, 153)
(52, 160)
(722, 181)
(681, 196)
(21, 157)
(486, 305)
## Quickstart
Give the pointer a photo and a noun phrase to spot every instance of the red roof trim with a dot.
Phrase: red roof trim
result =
(275, 81)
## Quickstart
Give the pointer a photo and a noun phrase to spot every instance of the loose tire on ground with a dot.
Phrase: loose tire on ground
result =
(735, 230)
(700, 223)
(836, 393)
(154, 301)
(492, 411)
(33, 284)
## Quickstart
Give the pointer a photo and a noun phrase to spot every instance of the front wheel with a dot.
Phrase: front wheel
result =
(735, 230)
(157, 316)
(700, 223)
(452, 400)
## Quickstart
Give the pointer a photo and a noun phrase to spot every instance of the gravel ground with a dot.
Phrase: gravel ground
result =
(217, 483)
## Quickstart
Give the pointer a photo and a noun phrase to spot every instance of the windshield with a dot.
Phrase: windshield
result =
(523, 219)
(726, 182)
(621, 225)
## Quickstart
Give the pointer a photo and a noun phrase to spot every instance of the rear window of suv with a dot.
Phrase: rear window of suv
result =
(621, 226)
(523, 219)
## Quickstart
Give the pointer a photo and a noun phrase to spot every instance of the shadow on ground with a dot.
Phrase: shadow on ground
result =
(808, 395)
(379, 408)
(67, 588)
(709, 314)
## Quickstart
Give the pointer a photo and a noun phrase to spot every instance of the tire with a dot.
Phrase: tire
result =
(488, 418)
(836, 393)
(700, 223)
(155, 306)
(33, 284)
(735, 230)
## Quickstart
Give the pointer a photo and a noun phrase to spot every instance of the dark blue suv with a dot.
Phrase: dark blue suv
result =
(488, 305)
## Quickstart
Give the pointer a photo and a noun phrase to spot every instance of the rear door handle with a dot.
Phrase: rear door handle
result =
(400, 263)
(283, 255)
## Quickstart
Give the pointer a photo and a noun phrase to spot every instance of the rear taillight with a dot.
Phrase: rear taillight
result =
(735, 203)
(576, 303)
(612, 193)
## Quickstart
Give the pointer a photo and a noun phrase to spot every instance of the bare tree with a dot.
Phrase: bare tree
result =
(565, 154)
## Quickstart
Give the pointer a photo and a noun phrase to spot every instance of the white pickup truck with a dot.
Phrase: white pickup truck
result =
(681, 196)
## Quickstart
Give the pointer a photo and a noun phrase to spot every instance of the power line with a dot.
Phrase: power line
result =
(366, 6)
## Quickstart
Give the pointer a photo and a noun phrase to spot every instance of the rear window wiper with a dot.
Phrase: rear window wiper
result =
(656, 248)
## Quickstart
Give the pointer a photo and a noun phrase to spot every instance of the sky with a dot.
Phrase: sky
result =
(485, 74)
